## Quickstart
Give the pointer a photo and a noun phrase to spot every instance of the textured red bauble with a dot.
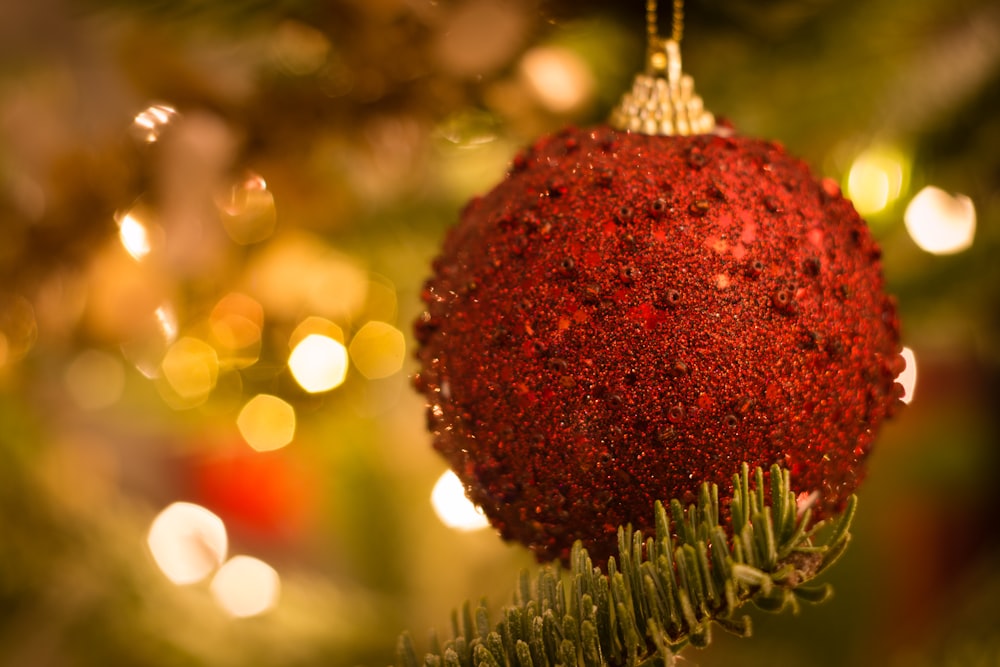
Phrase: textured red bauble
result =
(627, 316)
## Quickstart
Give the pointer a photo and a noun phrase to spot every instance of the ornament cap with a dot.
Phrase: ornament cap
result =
(662, 100)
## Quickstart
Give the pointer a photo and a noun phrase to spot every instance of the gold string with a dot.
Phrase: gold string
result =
(677, 30)
(677, 23)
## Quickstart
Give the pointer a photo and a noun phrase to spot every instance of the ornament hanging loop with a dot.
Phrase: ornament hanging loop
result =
(662, 100)
(676, 25)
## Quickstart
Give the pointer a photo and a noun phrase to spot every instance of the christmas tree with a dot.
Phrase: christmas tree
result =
(217, 222)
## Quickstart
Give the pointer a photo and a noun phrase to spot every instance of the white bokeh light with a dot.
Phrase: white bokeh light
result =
(940, 223)
(453, 508)
(908, 378)
(188, 542)
(318, 363)
(558, 77)
(134, 236)
(245, 586)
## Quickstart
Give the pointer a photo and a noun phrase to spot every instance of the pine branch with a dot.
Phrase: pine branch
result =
(662, 593)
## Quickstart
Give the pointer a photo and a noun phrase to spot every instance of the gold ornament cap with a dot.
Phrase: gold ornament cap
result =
(662, 100)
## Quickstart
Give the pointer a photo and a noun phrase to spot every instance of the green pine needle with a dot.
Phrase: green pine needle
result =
(661, 594)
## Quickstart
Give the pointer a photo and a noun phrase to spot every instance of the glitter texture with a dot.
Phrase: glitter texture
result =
(627, 316)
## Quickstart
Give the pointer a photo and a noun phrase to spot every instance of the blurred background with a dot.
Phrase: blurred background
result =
(215, 219)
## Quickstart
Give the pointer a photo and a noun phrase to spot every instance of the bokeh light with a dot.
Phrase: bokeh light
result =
(134, 233)
(237, 323)
(191, 368)
(940, 223)
(876, 179)
(336, 288)
(319, 326)
(299, 48)
(18, 328)
(95, 379)
(151, 121)
(558, 78)
(166, 320)
(378, 350)
(908, 378)
(453, 508)
(188, 542)
(147, 348)
(246, 586)
(318, 363)
(247, 212)
(266, 422)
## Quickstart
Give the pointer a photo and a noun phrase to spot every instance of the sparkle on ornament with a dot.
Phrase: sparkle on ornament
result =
(875, 180)
(245, 586)
(95, 379)
(452, 506)
(378, 350)
(908, 378)
(187, 542)
(318, 363)
(266, 422)
(940, 223)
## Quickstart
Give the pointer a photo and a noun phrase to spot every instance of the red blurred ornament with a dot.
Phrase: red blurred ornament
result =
(261, 495)
(638, 309)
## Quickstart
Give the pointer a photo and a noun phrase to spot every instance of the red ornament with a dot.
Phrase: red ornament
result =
(260, 495)
(627, 316)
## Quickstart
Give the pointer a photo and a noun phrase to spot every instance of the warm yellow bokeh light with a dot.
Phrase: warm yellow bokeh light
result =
(237, 323)
(941, 223)
(336, 288)
(378, 350)
(908, 378)
(187, 542)
(875, 179)
(18, 328)
(247, 211)
(318, 363)
(134, 236)
(298, 47)
(191, 368)
(319, 326)
(453, 508)
(266, 422)
(382, 301)
(245, 586)
(558, 77)
(95, 379)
